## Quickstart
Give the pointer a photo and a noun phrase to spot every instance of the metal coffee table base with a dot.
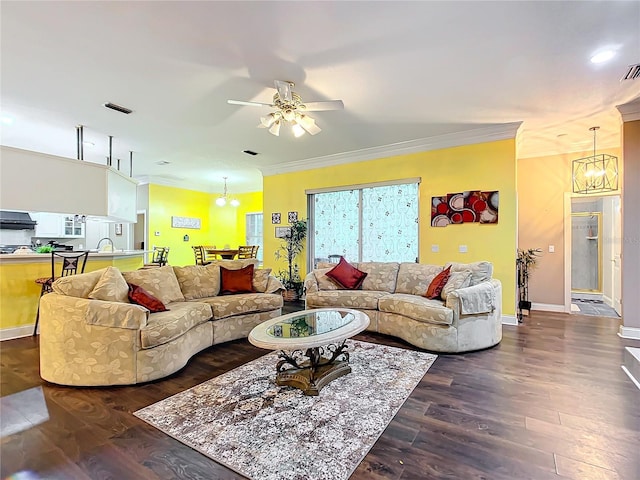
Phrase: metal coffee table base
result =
(316, 371)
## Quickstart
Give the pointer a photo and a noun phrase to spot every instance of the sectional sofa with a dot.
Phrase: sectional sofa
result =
(90, 333)
(467, 315)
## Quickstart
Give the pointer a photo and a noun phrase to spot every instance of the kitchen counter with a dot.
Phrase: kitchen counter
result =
(19, 293)
(46, 257)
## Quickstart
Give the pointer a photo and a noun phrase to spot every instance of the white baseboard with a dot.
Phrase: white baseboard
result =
(547, 307)
(509, 320)
(16, 332)
(629, 332)
(625, 370)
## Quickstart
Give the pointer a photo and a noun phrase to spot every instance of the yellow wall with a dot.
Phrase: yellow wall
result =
(485, 166)
(542, 185)
(220, 226)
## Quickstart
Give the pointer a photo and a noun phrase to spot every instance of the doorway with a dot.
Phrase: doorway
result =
(595, 255)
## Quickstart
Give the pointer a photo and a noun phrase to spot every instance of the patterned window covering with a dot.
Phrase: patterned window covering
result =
(386, 226)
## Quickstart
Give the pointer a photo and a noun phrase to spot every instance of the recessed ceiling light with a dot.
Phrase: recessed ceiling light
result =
(603, 56)
(7, 120)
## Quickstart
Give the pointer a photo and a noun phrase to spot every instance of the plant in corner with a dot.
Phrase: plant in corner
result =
(292, 246)
(525, 261)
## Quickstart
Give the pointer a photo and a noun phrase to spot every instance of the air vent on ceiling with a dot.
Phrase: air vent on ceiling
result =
(118, 108)
(250, 152)
(632, 73)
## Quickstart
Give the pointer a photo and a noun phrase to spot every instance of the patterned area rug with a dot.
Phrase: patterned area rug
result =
(246, 422)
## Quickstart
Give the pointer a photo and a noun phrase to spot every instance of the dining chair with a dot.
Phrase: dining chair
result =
(72, 263)
(247, 251)
(159, 257)
(198, 251)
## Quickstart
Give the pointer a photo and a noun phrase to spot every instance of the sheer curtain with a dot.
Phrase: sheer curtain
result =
(373, 223)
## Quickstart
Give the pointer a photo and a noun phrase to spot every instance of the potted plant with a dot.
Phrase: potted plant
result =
(525, 261)
(292, 246)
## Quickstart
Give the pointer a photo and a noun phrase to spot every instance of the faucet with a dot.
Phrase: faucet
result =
(100, 241)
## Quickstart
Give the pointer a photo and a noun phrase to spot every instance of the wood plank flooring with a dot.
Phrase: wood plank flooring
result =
(549, 402)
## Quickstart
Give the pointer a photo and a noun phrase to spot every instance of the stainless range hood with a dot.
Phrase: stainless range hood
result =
(16, 221)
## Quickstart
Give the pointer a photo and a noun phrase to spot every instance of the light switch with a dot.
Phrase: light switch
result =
(156, 233)
(552, 248)
(462, 248)
(435, 248)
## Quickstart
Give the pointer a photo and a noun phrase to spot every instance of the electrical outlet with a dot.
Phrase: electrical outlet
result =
(435, 248)
(462, 248)
(552, 248)
(156, 233)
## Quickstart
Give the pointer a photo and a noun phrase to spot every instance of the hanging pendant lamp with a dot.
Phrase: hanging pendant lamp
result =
(595, 174)
(221, 201)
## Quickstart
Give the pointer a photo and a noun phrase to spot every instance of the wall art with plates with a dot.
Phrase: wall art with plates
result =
(473, 206)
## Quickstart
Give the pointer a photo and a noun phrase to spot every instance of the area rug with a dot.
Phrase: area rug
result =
(246, 422)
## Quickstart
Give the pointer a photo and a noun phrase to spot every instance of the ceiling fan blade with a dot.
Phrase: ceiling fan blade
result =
(284, 90)
(328, 105)
(249, 104)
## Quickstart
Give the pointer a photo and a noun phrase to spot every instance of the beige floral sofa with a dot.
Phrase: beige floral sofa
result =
(91, 335)
(466, 317)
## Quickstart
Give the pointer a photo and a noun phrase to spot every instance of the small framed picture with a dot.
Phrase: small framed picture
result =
(293, 217)
(283, 232)
(275, 218)
(118, 229)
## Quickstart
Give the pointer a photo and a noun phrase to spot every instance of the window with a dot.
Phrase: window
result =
(365, 223)
(254, 232)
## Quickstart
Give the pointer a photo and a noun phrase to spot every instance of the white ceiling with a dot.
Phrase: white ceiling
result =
(405, 71)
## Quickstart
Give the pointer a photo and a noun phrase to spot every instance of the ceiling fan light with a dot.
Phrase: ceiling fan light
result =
(267, 121)
(306, 121)
(275, 128)
(297, 130)
(288, 115)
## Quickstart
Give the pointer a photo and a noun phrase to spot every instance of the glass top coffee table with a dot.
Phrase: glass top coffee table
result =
(312, 345)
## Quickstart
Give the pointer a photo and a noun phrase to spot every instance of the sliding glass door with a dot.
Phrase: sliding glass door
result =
(365, 223)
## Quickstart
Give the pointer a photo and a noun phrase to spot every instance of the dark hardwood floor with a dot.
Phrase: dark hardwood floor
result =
(550, 401)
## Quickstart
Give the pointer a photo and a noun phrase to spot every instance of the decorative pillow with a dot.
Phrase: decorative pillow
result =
(198, 281)
(161, 282)
(324, 282)
(140, 296)
(112, 287)
(79, 285)
(456, 280)
(261, 279)
(346, 275)
(437, 284)
(236, 281)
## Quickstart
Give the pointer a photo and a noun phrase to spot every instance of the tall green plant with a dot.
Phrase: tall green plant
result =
(292, 245)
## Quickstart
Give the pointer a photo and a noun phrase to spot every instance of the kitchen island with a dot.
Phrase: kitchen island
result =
(19, 293)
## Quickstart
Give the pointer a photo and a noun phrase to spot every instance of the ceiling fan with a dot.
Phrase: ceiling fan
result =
(290, 108)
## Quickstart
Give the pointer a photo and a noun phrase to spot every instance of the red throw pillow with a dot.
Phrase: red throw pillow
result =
(236, 281)
(346, 275)
(140, 296)
(438, 283)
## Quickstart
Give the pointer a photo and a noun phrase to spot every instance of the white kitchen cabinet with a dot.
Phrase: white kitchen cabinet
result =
(55, 225)
(49, 224)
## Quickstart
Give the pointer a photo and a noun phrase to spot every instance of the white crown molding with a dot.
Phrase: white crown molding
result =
(169, 182)
(490, 133)
(629, 332)
(630, 112)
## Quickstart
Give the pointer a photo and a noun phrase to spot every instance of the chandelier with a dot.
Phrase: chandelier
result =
(595, 174)
(221, 201)
(289, 113)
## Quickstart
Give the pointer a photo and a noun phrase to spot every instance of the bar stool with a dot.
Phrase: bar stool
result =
(70, 266)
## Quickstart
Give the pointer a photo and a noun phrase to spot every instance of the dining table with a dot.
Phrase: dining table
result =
(225, 253)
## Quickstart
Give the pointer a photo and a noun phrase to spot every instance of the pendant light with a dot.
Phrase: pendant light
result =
(595, 174)
(221, 201)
